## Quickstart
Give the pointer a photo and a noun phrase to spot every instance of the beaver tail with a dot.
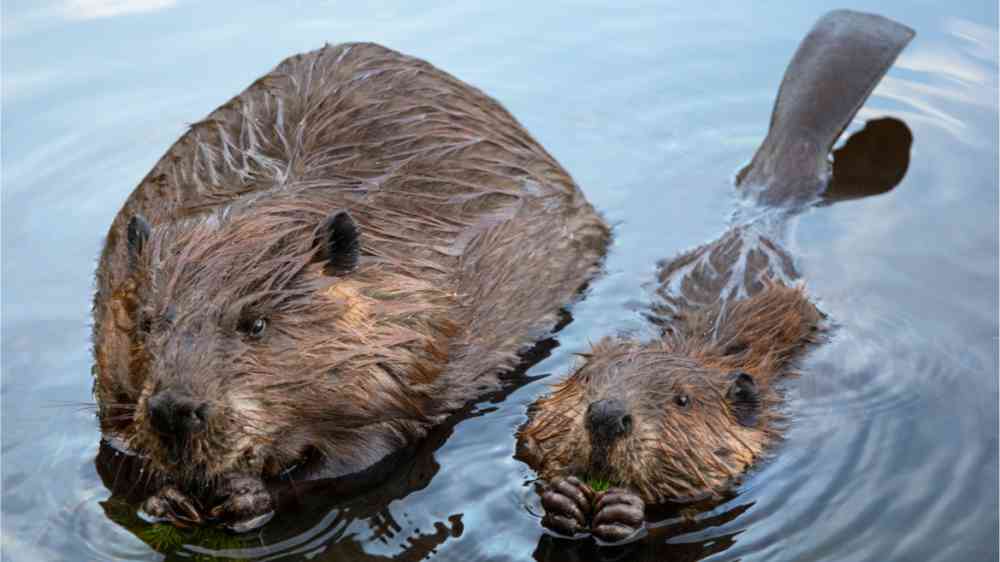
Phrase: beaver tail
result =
(833, 72)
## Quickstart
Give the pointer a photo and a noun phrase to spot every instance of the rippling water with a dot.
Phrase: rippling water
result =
(892, 449)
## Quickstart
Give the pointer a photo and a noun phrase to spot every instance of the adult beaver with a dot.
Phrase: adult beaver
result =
(319, 271)
(681, 417)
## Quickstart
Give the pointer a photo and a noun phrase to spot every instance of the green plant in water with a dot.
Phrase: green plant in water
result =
(162, 538)
(166, 538)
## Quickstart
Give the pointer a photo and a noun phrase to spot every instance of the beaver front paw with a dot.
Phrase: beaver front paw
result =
(567, 504)
(247, 504)
(619, 514)
(171, 505)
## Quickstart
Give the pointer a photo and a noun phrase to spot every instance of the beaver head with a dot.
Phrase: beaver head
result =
(680, 418)
(258, 336)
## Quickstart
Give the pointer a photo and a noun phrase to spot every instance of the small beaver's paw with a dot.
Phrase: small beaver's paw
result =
(618, 515)
(171, 505)
(567, 504)
(247, 504)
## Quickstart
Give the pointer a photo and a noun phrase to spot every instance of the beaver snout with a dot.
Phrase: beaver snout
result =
(176, 416)
(608, 420)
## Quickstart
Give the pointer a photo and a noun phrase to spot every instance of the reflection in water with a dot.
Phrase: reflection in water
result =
(338, 515)
(674, 536)
(872, 161)
(314, 515)
(892, 449)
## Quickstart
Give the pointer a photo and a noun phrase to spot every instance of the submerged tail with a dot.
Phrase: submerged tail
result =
(835, 69)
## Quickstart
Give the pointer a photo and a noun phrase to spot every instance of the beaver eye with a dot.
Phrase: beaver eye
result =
(254, 327)
(682, 400)
(258, 326)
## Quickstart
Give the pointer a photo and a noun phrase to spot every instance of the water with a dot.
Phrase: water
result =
(892, 449)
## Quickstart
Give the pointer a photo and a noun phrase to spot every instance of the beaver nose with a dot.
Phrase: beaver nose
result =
(608, 419)
(176, 415)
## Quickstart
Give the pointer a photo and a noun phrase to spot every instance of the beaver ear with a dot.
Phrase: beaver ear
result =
(136, 235)
(340, 243)
(744, 399)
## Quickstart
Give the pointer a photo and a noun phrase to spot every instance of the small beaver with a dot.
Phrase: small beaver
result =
(682, 417)
(322, 269)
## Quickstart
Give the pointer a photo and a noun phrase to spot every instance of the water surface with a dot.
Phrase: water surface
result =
(892, 449)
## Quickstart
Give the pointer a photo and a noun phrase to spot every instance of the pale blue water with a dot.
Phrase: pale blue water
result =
(892, 451)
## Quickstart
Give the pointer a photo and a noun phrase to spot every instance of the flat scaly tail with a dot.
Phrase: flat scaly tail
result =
(833, 72)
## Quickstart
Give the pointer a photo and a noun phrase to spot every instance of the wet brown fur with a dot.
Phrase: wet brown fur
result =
(675, 453)
(472, 238)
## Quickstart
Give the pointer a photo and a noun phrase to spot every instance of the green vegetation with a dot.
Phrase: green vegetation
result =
(162, 538)
(167, 539)
(598, 484)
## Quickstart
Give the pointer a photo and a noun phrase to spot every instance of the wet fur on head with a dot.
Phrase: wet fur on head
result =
(346, 365)
(686, 448)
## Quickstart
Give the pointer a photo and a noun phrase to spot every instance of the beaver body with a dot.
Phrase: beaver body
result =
(323, 268)
(682, 416)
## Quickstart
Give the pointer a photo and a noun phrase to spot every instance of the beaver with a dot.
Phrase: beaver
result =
(323, 268)
(681, 417)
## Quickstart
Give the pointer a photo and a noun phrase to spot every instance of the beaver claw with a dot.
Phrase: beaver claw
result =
(618, 515)
(567, 506)
(170, 504)
(247, 504)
